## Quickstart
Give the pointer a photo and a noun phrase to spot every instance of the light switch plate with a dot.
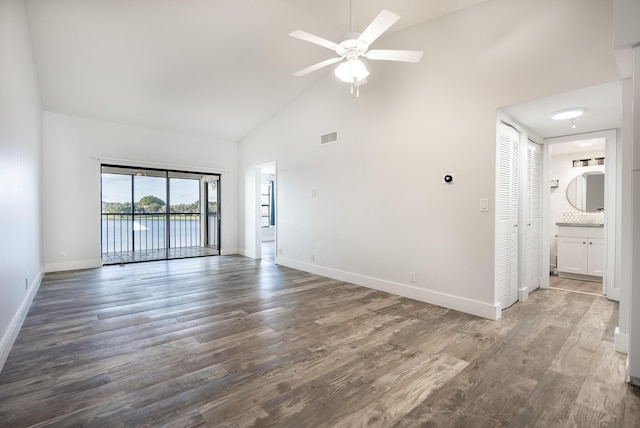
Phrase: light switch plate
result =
(484, 205)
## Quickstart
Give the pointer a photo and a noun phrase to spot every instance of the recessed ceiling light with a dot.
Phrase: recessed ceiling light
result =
(571, 113)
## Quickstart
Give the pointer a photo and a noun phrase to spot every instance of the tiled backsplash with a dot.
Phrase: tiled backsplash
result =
(580, 217)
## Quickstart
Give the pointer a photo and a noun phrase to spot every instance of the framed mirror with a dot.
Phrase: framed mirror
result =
(586, 192)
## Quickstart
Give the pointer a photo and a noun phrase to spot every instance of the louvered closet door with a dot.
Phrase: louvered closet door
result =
(507, 216)
(533, 210)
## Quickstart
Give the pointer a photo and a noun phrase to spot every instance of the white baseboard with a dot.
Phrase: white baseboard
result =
(229, 252)
(621, 341)
(461, 304)
(73, 265)
(6, 343)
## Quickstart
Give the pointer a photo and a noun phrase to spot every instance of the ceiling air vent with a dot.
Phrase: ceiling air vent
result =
(331, 137)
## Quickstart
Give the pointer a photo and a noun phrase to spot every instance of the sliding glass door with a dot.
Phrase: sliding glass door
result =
(150, 214)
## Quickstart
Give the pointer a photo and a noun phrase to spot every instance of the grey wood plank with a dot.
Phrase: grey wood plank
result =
(403, 388)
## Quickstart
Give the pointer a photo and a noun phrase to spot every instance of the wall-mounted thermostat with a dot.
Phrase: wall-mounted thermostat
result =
(448, 178)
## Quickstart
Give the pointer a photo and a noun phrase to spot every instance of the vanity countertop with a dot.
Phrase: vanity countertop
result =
(580, 224)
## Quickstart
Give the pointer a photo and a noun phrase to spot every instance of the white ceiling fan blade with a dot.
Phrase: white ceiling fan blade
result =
(379, 25)
(317, 66)
(394, 55)
(303, 35)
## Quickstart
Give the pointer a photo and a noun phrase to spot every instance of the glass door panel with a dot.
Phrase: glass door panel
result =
(117, 214)
(184, 214)
(213, 217)
(149, 213)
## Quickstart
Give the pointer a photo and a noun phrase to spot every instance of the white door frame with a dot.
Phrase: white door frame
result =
(610, 286)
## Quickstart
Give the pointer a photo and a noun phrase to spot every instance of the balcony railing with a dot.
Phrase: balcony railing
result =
(148, 232)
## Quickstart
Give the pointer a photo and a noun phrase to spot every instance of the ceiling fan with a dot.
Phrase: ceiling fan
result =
(356, 45)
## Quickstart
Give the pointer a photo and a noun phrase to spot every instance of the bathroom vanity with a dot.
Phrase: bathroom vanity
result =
(581, 251)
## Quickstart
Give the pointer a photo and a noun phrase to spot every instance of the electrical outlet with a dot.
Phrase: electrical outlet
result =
(280, 251)
(63, 255)
(412, 277)
(313, 258)
(26, 284)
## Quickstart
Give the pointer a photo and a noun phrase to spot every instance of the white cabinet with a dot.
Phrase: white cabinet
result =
(572, 255)
(581, 252)
(595, 257)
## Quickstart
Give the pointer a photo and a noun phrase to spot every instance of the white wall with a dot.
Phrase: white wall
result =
(626, 42)
(624, 209)
(72, 180)
(634, 308)
(627, 30)
(20, 189)
(561, 169)
(380, 209)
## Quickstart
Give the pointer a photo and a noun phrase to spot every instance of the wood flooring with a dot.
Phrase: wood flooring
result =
(576, 285)
(230, 341)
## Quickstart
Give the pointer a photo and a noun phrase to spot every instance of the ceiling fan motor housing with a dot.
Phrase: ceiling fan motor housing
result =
(351, 46)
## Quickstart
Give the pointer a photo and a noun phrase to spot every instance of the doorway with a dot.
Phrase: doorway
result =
(152, 214)
(581, 201)
(266, 242)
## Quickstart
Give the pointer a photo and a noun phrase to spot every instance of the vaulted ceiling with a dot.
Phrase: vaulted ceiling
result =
(220, 68)
(210, 67)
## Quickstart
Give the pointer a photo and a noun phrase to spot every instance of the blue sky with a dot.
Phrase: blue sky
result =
(117, 188)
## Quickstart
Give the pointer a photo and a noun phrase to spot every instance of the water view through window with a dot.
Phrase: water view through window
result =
(157, 214)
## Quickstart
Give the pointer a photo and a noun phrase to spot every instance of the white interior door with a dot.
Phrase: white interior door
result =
(532, 259)
(507, 251)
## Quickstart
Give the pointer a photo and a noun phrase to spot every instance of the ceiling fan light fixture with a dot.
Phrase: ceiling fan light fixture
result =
(571, 113)
(351, 71)
(355, 45)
